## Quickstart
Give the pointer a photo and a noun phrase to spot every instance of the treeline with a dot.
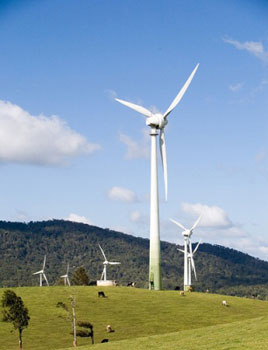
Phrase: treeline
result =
(23, 246)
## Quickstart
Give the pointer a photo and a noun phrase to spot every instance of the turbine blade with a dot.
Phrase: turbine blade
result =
(193, 266)
(196, 223)
(45, 277)
(102, 252)
(44, 263)
(190, 246)
(68, 281)
(196, 247)
(180, 225)
(181, 250)
(136, 108)
(38, 272)
(163, 153)
(181, 93)
(114, 263)
(68, 266)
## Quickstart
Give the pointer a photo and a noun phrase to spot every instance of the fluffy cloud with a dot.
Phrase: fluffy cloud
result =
(136, 149)
(212, 216)
(254, 47)
(77, 218)
(38, 140)
(122, 194)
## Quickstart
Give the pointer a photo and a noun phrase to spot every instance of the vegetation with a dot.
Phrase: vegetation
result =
(132, 312)
(15, 312)
(80, 277)
(23, 246)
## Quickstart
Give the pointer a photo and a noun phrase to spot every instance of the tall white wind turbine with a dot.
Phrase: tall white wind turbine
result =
(66, 276)
(105, 264)
(157, 122)
(41, 273)
(188, 252)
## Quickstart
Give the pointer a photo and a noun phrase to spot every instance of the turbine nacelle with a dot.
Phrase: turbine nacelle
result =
(157, 121)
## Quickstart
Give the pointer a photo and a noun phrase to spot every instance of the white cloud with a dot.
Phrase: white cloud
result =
(254, 47)
(212, 216)
(122, 194)
(77, 218)
(38, 140)
(136, 149)
(236, 87)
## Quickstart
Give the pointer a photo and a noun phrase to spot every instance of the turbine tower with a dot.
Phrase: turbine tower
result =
(189, 264)
(105, 264)
(157, 123)
(41, 273)
(66, 276)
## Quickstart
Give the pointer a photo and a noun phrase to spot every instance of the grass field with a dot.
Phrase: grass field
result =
(142, 320)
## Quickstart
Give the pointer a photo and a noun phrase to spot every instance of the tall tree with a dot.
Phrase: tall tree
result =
(15, 312)
(80, 277)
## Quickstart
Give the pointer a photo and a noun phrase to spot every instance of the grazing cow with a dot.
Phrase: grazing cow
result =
(92, 283)
(105, 340)
(101, 294)
(182, 293)
(109, 329)
(177, 288)
(207, 291)
(131, 284)
(224, 303)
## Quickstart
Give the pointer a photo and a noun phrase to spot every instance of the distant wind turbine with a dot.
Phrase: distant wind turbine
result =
(157, 122)
(188, 252)
(41, 273)
(66, 277)
(105, 264)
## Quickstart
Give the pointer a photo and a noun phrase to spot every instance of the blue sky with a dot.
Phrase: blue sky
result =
(68, 150)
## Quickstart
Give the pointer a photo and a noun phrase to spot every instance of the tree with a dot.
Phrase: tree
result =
(15, 312)
(80, 277)
(89, 333)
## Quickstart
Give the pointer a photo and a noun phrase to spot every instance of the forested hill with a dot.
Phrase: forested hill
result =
(23, 246)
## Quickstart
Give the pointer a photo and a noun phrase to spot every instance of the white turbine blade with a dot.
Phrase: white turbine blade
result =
(68, 281)
(190, 246)
(136, 108)
(38, 272)
(181, 250)
(114, 263)
(64, 276)
(181, 93)
(180, 225)
(163, 153)
(102, 274)
(44, 263)
(45, 277)
(196, 247)
(68, 266)
(196, 223)
(193, 266)
(102, 252)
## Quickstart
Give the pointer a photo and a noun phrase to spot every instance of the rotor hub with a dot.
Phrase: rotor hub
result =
(157, 121)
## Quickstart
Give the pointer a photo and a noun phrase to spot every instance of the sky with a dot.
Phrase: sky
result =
(69, 151)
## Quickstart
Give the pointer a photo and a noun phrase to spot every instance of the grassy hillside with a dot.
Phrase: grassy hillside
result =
(243, 335)
(133, 313)
(23, 246)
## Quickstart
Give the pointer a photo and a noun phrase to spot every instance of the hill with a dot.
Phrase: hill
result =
(135, 314)
(23, 246)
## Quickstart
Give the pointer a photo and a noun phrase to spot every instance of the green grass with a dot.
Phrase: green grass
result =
(145, 318)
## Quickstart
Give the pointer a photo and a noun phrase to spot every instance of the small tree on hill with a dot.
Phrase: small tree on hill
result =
(15, 312)
(88, 332)
(80, 277)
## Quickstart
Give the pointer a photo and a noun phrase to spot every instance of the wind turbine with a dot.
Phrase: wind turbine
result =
(66, 277)
(41, 273)
(105, 264)
(188, 254)
(157, 122)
